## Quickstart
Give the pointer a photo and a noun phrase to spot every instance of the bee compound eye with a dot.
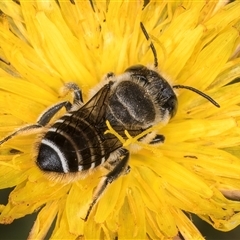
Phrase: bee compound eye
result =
(171, 105)
(50, 158)
(135, 68)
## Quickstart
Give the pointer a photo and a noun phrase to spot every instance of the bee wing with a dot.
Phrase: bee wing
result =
(94, 109)
(96, 146)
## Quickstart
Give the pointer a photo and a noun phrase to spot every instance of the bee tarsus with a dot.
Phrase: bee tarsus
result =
(119, 169)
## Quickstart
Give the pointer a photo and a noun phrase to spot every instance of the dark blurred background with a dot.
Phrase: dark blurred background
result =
(20, 228)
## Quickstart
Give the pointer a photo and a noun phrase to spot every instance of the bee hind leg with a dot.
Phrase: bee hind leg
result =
(26, 129)
(42, 121)
(119, 169)
(48, 114)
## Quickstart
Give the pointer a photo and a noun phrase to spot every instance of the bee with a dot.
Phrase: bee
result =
(77, 142)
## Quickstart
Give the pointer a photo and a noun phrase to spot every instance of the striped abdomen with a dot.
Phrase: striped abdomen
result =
(72, 144)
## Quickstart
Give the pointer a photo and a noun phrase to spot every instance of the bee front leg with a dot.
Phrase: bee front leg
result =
(158, 139)
(119, 169)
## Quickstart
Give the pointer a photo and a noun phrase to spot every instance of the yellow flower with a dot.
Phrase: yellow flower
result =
(47, 43)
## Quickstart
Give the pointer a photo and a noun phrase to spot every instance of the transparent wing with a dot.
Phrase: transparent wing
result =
(94, 110)
(81, 133)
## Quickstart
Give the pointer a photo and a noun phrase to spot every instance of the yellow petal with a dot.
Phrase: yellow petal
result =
(44, 221)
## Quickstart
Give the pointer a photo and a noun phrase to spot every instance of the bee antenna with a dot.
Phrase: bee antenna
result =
(200, 93)
(151, 44)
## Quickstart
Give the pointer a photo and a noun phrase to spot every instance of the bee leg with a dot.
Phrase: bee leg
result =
(110, 75)
(26, 129)
(119, 169)
(44, 119)
(48, 114)
(157, 139)
(77, 93)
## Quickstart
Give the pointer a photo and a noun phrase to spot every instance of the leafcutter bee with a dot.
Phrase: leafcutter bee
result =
(134, 101)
